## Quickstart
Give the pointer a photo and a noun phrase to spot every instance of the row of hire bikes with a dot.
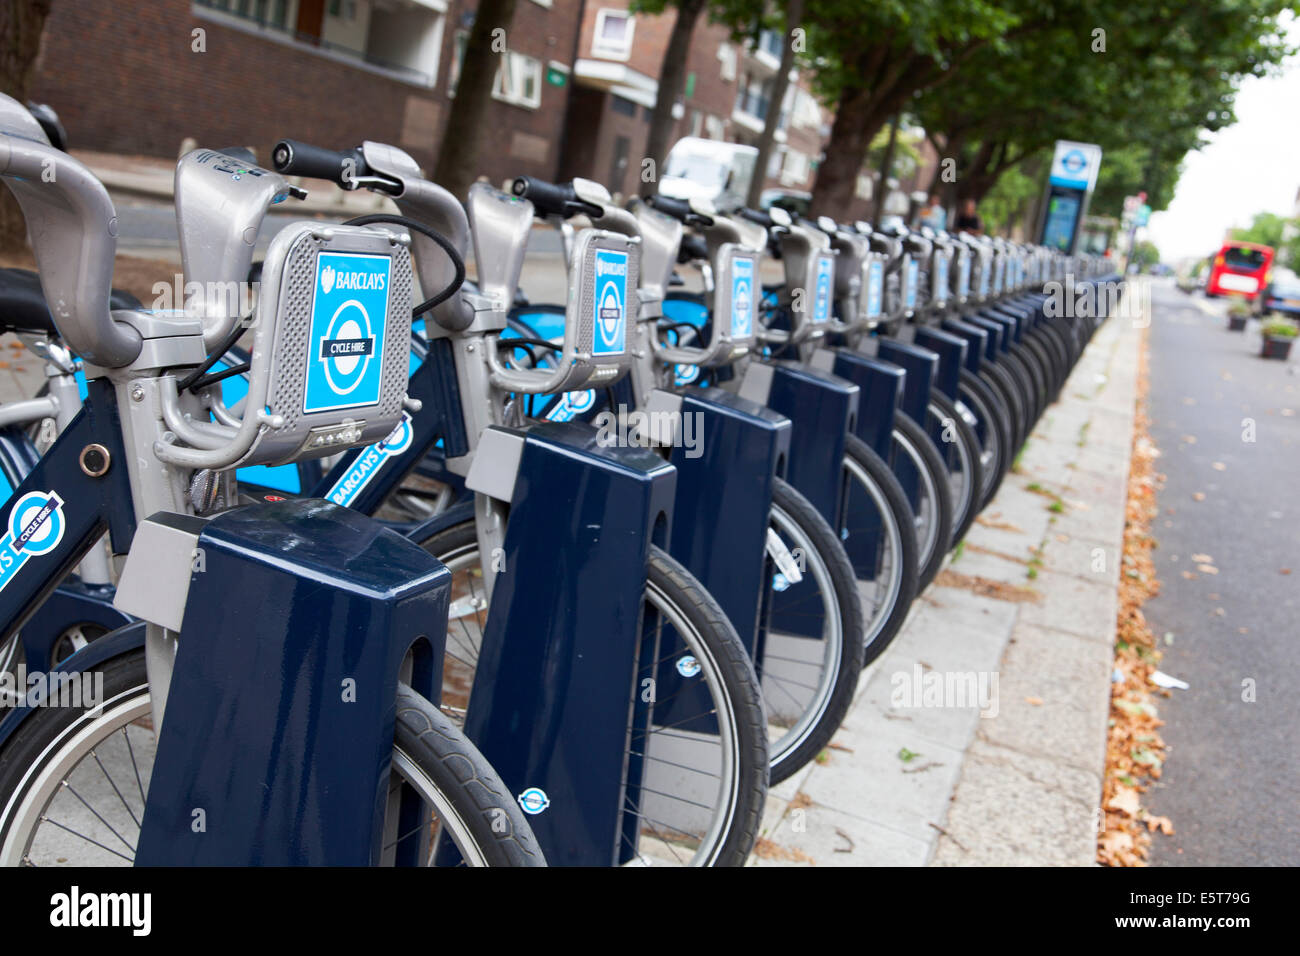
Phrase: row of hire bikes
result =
(399, 568)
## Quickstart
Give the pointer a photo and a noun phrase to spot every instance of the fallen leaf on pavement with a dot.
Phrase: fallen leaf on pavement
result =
(1125, 800)
(1219, 466)
(1162, 823)
(1202, 559)
(1198, 496)
(1207, 569)
(1035, 701)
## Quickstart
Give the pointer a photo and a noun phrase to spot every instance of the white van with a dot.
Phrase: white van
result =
(708, 169)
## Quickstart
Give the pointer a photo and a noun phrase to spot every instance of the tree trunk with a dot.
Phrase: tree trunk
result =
(21, 25)
(858, 117)
(672, 77)
(886, 167)
(793, 17)
(458, 160)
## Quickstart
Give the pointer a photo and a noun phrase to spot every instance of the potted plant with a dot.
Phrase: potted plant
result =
(1278, 336)
(1238, 313)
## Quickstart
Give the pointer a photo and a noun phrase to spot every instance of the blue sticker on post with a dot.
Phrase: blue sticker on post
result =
(875, 288)
(825, 279)
(742, 298)
(610, 305)
(349, 313)
(913, 270)
(940, 284)
(963, 276)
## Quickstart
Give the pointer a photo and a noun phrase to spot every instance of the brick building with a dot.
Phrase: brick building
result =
(573, 95)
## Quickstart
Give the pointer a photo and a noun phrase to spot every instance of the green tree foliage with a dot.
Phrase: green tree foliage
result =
(1266, 229)
(1141, 80)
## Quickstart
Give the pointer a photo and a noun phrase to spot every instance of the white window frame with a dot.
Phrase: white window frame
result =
(605, 52)
(511, 81)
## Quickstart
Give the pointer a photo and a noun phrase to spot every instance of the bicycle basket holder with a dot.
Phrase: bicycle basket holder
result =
(329, 363)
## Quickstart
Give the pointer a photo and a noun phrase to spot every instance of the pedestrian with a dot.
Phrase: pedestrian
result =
(969, 220)
(934, 215)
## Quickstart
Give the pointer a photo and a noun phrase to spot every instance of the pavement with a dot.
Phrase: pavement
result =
(1227, 424)
(978, 738)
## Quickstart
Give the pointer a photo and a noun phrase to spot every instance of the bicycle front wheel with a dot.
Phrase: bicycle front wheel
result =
(73, 784)
(698, 743)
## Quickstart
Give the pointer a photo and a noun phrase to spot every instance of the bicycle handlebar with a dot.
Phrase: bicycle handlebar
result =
(553, 199)
(343, 167)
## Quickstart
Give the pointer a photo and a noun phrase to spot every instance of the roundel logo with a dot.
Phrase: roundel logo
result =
(741, 301)
(534, 800)
(36, 523)
(1074, 161)
(685, 374)
(610, 311)
(399, 439)
(348, 344)
(582, 401)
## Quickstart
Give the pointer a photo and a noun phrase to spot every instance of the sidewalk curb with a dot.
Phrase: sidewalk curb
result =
(1030, 602)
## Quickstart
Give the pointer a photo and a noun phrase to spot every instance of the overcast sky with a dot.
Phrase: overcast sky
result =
(1252, 166)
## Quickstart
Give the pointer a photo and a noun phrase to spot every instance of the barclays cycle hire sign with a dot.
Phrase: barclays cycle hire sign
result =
(609, 335)
(349, 312)
(742, 298)
(1075, 165)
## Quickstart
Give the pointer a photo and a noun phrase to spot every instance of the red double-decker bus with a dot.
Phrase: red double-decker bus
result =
(1240, 268)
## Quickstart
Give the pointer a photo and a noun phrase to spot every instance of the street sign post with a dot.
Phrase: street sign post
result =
(1069, 186)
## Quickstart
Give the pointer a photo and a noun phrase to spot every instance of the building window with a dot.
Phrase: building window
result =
(727, 62)
(794, 168)
(519, 80)
(769, 42)
(613, 39)
(714, 128)
(754, 96)
(403, 38)
(622, 105)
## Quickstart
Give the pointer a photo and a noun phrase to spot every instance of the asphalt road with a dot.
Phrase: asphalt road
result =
(1231, 784)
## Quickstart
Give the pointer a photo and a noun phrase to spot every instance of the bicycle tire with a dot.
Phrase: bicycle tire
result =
(968, 456)
(493, 829)
(822, 548)
(988, 408)
(868, 472)
(741, 797)
(912, 440)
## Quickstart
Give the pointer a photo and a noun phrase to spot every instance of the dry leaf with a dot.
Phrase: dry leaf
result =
(1034, 701)
(1207, 569)
(1219, 466)
(1202, 559)
(1198, 496)
(1125, 800)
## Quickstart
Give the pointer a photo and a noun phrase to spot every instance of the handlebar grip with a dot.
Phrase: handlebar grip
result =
(692, 248)
(755, 216)
(679, 209)
(339, 166)
(557, 199)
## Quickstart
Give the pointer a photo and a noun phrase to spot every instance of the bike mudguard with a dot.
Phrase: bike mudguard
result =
(121, 641)
(277, 740)
(555, 695)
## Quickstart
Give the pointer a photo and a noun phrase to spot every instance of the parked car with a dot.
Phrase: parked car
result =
(1283, 292)
(792, 201)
